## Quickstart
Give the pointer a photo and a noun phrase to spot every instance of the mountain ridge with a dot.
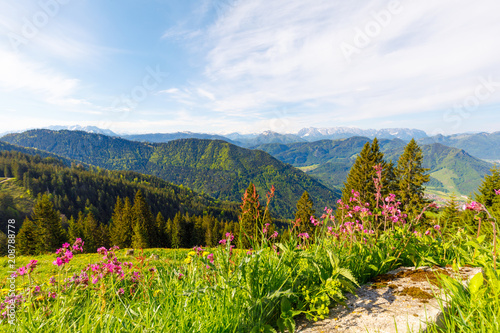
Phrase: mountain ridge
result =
(214, 167)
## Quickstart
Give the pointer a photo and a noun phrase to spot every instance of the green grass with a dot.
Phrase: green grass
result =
(260, 291)
(23, 202)
(308, 168)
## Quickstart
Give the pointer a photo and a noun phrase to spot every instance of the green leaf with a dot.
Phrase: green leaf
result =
(290, 325)
(281, 324)
(285, 306)
(481, 238)
(475, 283)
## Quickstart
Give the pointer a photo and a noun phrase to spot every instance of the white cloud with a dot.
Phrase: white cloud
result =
(265, 53)
(19, 73)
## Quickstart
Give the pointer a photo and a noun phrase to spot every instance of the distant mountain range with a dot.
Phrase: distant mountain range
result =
(482, 145)
(88, 129)
(217, 168)
(452, 170)
(314, 134)
(166, 137)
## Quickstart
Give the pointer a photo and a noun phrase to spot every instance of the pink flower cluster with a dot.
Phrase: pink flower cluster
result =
(28, 269)
(351, 227)
(497, 192)
(68, 252)
(474, 206)
(304, 235)
(210, 258)
(390, 209)
(328, 214)
(229, 238)
(109, 265)
(9, 301)
(314, 221)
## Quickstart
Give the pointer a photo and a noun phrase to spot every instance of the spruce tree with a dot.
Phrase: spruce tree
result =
(75, 229)
(362, 173)
(487, 188)
(90, 233)
(177, 230)
(208, 226)
(122, 224)
(144, 223)
(251, 217)
(198, 231)
(168, 233)
(116, 223)
(48, 221)
(103, 236)
(3, 244)
(450, 216)
(411, 177)
(304, 212)
(161, 226)
(140, 238)
(28, 239)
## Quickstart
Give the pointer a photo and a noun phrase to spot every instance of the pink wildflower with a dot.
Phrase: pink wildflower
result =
(304, 235)
(210, 257)
(102, 250)
(58, 262)
(474, 206)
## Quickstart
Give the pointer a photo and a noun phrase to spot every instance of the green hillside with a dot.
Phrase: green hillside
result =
(77, 189)
(452, 170)
(217, 168)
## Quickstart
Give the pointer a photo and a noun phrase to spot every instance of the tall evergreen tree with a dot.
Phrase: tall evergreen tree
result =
(122, 224)
(103, 236)
(198, 231)
(143, 219)
(140, 238)
(168, 233)
(48, 221)
(362, 173)
(208, 225)
(90, 233)
(177, 230)
(116, 224)
(161, 226)
(487, 188)
(450, 216)
(411, 178)
(75, 228)
(28, 239)
(3, 244)
(251, 217)
(304, 212)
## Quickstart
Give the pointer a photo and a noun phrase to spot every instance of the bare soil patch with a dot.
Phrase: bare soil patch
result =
(403, 298)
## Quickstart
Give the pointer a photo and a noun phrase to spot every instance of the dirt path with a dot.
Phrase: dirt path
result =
(403, 298)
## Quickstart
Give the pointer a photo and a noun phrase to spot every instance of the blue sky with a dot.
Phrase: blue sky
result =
(222, 66)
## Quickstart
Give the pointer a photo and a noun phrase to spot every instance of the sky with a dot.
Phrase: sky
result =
(222, 66)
